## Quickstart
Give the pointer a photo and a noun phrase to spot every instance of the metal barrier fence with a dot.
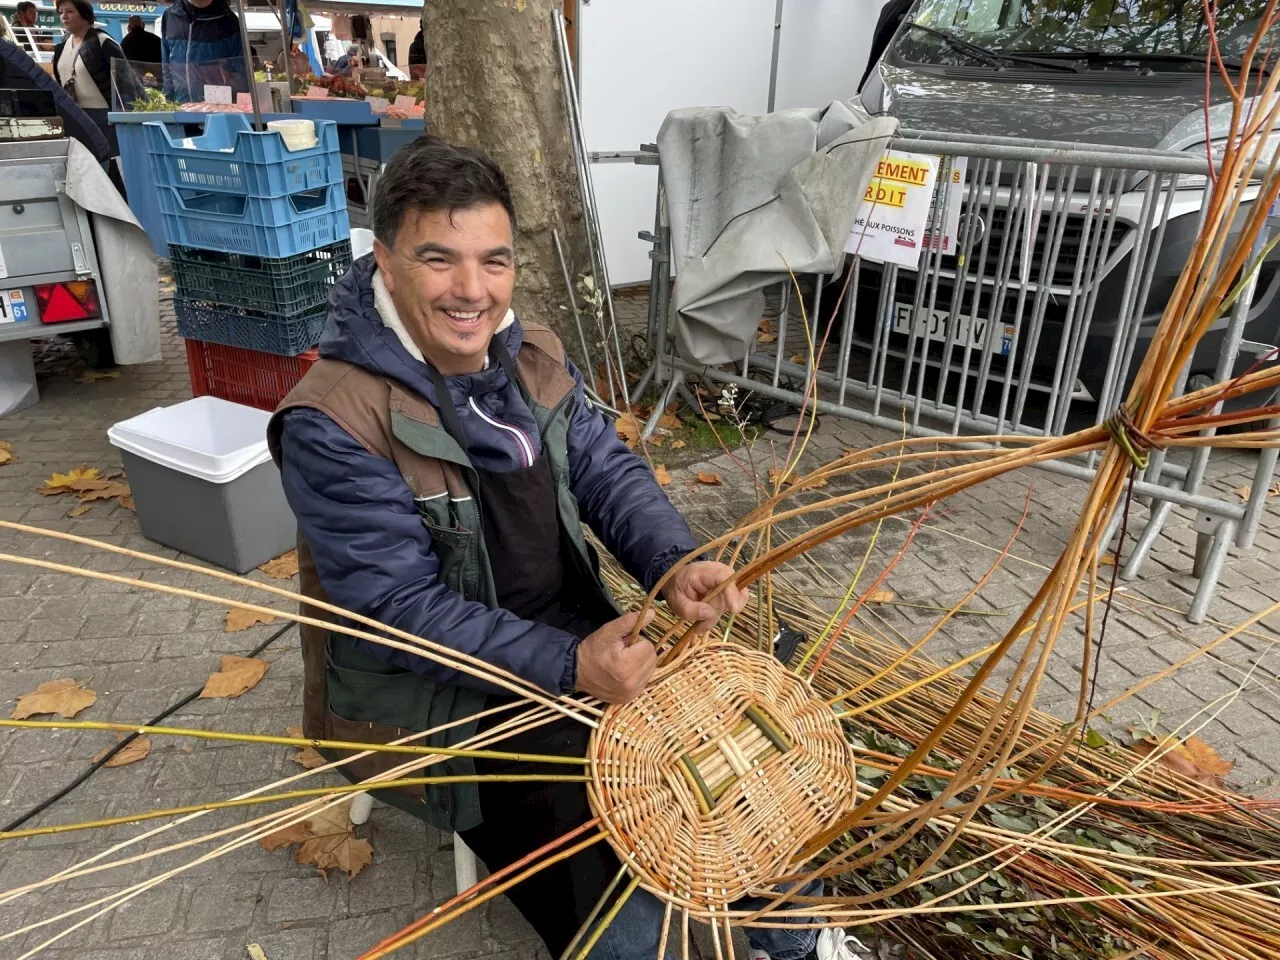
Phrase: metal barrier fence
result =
(1033, 321)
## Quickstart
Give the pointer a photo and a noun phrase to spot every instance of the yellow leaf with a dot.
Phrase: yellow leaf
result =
(64, 697)
(89, 376)
(235, 676)
(881, 596)
(238, 619)
(677, 444)
(306, 757)
(326, 841)
(283, 567)
(79, 480)
(662, 475)
(138, 749)
(6, 453)
(80, 511)
(629, 429)
(255, 952)
(1107, 560)
(710, 479)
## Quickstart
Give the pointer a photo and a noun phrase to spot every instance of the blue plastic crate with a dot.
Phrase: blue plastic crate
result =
(263, 226)
(231, 157)
(266, 332)
(338, 109)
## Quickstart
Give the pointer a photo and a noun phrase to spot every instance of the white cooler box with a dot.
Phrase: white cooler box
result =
(203, 482)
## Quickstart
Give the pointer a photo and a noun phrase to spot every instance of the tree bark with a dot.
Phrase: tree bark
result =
(493, 83)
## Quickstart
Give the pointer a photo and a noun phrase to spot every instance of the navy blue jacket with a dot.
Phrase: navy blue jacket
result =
(199, 47)
(371, 550)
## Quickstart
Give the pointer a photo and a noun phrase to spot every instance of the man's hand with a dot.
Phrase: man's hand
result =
(685, 593)
(610, 670)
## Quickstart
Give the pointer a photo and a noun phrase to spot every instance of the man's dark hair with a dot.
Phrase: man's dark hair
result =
(430, 174)
(25, 5)
(136, 24)
(83, 7)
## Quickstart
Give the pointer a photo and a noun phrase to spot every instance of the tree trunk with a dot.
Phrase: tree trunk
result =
(493, 83)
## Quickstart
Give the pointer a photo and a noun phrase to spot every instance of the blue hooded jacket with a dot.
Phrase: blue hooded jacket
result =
(372, 552)
(201, 45)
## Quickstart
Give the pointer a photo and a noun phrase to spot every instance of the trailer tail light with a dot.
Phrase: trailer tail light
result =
(73, 300)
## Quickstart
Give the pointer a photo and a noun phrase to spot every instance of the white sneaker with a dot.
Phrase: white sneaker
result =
(835, 944)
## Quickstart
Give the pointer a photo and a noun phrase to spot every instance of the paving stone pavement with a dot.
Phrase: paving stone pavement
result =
(142, 651)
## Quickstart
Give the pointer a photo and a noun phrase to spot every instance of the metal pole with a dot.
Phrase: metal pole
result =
(248, 63)
(286, 39)
(773, 63)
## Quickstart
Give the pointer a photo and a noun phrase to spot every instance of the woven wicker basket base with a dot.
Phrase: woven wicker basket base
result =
(713, 779)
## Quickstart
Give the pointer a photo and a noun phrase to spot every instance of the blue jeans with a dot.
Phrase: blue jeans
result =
(637, 930)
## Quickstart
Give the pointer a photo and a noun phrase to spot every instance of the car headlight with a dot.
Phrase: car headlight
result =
(1218, 150)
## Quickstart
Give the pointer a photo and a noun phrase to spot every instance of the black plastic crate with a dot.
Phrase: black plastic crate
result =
(285, 336)
(285, 286)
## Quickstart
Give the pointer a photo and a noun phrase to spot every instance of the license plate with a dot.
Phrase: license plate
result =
(968, 331)
(13, 306)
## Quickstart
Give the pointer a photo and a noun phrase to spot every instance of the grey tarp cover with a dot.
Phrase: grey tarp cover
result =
(748, 198)
(126, 259)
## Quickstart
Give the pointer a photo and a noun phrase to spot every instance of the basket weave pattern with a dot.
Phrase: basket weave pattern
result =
(715, 777)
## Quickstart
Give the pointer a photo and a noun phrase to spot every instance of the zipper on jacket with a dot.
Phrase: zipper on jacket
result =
(526, 447)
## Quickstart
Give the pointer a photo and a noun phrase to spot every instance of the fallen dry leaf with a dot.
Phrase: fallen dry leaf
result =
(283, 567)
(767, 332)
(235, 676)
(307, 756)
(127, 502)
(629, 429)
(114, 488)
(255, 952)
(661, 474)
(6, 452)
(64, 697)
(710, 479)
(89, 376)
(80, 511)
(326, 841)
(78, 480)
(881, 596)
(1194, 759)
(138, 749)
(799, 358)
(1243, 492)
(1107, 560)
(677, 444)
(656, 442)
(669, 421)
(238, 619)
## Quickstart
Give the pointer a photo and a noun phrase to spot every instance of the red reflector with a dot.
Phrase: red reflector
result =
(60, 302)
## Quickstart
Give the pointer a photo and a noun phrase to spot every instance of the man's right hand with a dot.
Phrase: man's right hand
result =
(610, 670)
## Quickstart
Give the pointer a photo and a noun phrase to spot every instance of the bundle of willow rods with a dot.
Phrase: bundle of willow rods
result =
(1152, 828)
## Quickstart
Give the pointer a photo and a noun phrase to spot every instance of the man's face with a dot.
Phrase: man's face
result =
(451, 274)
(28, 17)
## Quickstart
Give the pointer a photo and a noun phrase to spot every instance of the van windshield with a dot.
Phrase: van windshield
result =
(1174, 30)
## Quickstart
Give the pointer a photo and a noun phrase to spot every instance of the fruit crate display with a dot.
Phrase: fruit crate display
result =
(251, 377)
(254, 330)
(283, 285)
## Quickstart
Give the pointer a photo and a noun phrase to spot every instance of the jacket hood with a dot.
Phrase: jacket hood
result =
(355, 333)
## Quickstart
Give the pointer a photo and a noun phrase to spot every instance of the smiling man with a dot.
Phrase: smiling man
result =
(441, 459)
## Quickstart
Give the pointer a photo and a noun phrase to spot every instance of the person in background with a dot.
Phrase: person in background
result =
(19, 72)
(418, 56)
(348, 61)
(299, 63)
(891, 16)
(200, 46)
(82, 67)
(139, 44)
(25, 15)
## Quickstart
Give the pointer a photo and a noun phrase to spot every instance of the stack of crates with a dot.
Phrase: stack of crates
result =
(258, 234)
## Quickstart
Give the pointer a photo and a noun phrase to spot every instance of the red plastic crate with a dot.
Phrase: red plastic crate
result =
(250, 377)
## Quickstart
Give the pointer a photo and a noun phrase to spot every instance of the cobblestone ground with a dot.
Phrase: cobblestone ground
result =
(142, 652)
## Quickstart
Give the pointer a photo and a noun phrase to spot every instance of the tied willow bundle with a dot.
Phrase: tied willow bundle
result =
(945, 810)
